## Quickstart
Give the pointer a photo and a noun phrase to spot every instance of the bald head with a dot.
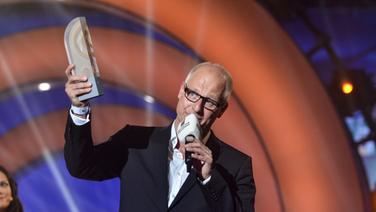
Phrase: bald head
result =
(217, 71)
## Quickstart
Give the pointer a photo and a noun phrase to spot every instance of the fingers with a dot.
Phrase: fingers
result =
(69, 70)
(76, 86)
(71, 76)
(203, 158)
(200, 152)
(198, 147)
(75, 90)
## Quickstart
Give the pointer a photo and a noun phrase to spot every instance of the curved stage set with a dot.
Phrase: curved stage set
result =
(280, 113)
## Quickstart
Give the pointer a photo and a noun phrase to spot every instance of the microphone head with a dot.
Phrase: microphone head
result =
(189, 127)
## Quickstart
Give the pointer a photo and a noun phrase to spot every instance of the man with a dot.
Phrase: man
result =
(150, 160)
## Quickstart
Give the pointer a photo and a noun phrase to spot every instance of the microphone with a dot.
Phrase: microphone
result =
(187, 131)
(188, 154)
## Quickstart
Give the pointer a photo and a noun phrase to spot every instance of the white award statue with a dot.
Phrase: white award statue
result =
(80, 52)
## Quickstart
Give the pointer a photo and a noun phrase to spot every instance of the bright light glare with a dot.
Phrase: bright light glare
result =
(37, 133)
(347, 87)
(367, 149)
(149, 99)
(44, 86)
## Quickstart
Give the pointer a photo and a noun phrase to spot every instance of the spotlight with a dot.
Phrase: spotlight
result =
(347, 87)
(149, 99)
(44, 86)
(352, 90)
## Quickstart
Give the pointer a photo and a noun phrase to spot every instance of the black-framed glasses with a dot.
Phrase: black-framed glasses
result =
(193, 96)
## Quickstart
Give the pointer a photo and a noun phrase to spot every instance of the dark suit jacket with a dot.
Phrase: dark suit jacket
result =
(139, 156)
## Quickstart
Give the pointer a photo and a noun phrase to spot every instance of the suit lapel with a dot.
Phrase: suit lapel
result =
(214, 145)
(187, 185)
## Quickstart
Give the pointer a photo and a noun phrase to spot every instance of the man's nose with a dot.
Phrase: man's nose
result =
(199, 105)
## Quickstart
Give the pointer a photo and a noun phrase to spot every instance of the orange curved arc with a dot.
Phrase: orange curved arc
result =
(302, 132)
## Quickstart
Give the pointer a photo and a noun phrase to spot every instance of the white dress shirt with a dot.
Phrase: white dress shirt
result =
(177, 172)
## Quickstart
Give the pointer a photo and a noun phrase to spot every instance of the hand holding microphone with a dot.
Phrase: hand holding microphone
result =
(197, 154)
(188, 131)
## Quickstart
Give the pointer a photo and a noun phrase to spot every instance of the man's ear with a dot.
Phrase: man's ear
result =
(222, 109)
(181, 90)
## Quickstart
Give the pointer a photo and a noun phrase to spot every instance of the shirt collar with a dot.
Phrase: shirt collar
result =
(173, 138)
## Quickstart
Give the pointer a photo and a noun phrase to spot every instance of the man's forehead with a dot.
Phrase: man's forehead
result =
(207, 74)
(207, 83)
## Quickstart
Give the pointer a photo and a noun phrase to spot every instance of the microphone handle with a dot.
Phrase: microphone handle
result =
(188, 154)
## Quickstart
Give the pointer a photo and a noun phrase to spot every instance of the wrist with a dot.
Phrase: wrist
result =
(81, 104)
(204, 176)
(204, 181)
(81, 112)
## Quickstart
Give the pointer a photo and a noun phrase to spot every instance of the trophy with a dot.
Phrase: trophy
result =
(80, 52)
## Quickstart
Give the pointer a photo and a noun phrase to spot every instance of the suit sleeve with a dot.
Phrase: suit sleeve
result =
(226, 193)
(86, 161)
(246, 192)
